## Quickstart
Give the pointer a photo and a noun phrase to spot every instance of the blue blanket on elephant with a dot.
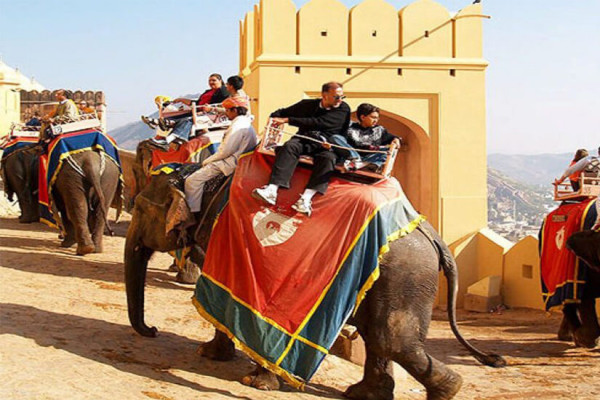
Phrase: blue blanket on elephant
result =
(59, 150)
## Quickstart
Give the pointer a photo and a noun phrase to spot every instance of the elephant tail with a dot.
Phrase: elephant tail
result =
(94, 176)
(450, 269)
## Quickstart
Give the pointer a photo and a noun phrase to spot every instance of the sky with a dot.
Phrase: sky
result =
(543, 81)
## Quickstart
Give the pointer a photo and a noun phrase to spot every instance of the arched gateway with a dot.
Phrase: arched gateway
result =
(421, 65)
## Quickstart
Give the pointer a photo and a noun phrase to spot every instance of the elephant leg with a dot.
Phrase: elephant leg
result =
(96, 225)
(69, 239)
(220, 348)
(77, 211)
(377, 382)
(569, 324)
(262, 379)
(189, 274)
(589, 331)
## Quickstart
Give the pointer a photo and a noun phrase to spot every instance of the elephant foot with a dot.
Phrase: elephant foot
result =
(218, 349)
(27, 220)
(364, 390)
(189, 275)
(447, 388)
(585, 339)
(565, 333)
(82, 250)
(68, 241)
(98, 248)
(261, 379)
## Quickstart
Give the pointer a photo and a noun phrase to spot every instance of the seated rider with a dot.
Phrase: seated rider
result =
(182, 124)
(591, 163)
(239, 138)
(317, 119)
(364, 135)
(234, 87)
(574, 178)
(65, 110)
(588, 162)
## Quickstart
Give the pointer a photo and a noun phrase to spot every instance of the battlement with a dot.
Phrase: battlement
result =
(326, 31)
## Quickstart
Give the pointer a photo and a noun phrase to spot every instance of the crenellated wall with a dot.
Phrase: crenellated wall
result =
(420, 64)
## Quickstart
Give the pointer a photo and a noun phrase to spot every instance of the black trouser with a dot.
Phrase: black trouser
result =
(286, 160)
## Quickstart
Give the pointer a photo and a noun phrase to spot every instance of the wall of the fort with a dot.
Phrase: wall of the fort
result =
(421, 65)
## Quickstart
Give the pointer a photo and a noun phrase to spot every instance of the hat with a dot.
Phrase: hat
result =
(237, 101)
(159, 100)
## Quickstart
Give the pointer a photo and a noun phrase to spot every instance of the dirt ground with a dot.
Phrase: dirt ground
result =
(64, 334)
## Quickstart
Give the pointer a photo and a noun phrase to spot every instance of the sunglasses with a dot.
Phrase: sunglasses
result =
(342, 97)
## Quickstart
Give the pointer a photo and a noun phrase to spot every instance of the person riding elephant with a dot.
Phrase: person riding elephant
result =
(65, 110)
(393, 319)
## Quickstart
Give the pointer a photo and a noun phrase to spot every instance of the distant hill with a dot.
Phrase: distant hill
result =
(539, 169)
(128, 136)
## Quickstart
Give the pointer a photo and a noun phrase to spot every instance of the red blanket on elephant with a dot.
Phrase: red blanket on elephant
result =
(185, 153)
(280, 284)
(561, 272)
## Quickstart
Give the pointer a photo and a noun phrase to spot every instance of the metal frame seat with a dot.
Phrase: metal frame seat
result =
(273, 137)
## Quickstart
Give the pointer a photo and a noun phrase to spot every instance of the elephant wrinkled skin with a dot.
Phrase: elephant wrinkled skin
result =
(20, 176)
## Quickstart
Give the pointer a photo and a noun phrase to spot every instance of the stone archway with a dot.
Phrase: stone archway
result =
(413, 166)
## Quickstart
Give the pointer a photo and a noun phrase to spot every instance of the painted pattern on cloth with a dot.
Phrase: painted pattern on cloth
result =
(281, 285)
(563, 274)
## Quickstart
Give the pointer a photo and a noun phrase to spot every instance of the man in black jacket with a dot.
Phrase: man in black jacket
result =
(315, 118)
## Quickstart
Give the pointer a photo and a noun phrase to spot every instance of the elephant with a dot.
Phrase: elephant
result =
(128, 165)
(393, 319)
(580, 321)
(586, 246)
(83, 192)
(20, 176)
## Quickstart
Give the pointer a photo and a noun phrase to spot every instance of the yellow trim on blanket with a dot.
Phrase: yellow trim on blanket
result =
(198, 151)
(382, 251)
(47, 222)
(289, 378)
(242, 302)
(581, 226)
(370, 281)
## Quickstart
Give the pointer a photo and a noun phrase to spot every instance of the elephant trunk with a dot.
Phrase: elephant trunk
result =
(136, 264)
(450, 269)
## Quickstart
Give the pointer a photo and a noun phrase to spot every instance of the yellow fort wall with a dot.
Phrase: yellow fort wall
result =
(423, 67)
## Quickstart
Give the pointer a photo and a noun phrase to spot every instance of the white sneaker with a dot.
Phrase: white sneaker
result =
(303, 206)
(265, 195)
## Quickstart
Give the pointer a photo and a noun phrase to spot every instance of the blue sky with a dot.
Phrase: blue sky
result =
(543, 83)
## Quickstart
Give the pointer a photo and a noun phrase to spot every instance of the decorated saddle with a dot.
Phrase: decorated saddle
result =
(193, 151)
(59, 150)
(281, 285)
(563, 274)
(11, 148)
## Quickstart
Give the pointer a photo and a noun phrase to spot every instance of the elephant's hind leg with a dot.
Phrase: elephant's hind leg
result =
(588, 333)
(377, 382)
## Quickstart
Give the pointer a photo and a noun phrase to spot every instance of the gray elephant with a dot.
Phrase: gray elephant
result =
(20, 176)
(393, 319)
(580, 321)
(83, 192)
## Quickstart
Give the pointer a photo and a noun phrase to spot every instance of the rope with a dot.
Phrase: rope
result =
(102, 163)
(75, 166)
(331, 144)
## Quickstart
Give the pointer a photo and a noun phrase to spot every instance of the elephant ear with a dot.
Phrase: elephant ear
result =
(179, 217)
